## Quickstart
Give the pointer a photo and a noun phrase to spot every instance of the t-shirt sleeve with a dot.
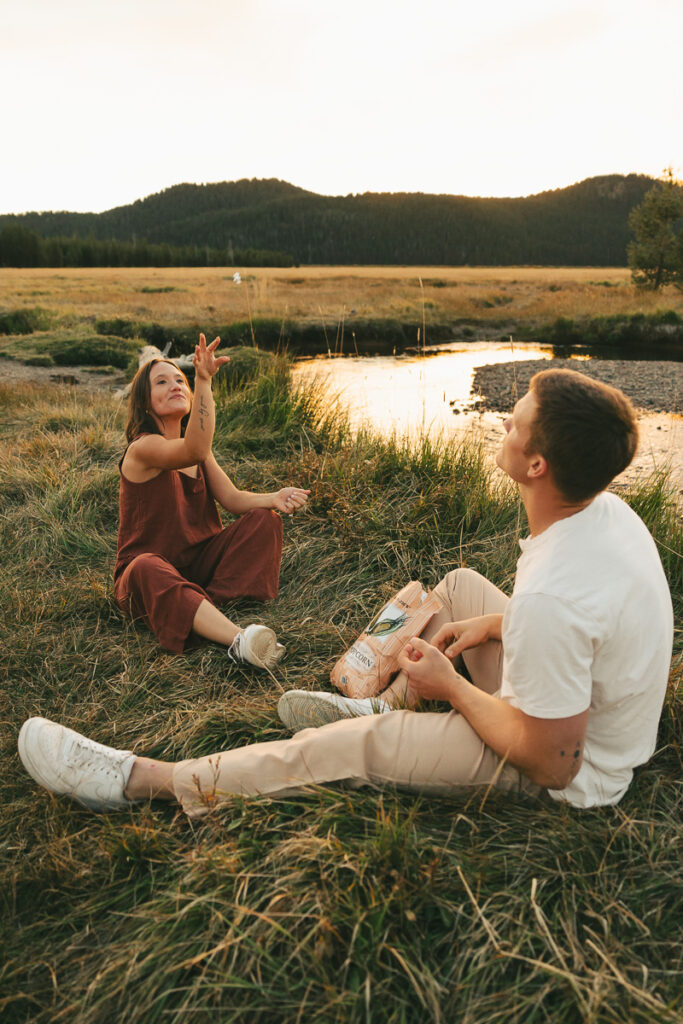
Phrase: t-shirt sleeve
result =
(548, 649)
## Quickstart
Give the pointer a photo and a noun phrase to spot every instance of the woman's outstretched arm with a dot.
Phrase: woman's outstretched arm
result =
(287, 499)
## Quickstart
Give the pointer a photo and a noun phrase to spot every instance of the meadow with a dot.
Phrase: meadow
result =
(488, 295)
(338, 906)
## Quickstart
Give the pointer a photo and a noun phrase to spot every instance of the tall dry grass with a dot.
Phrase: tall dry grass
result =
(195, 296)
(344, 906)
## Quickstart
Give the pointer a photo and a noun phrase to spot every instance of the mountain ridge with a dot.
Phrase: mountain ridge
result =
(582, 224)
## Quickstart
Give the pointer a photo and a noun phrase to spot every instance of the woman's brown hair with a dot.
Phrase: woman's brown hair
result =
(140, 418)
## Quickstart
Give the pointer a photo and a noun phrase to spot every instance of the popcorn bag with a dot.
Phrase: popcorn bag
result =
(367, 667)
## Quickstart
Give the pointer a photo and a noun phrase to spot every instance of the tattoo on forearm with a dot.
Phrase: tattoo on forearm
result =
(203, 411)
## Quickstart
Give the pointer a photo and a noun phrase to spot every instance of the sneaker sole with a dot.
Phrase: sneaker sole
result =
(304, 711)
(266, 652)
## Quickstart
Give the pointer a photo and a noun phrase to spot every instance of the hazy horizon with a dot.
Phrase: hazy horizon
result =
(106, 104)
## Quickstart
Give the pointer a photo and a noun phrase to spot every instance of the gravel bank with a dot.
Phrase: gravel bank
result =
(93, 379)
(653, 386)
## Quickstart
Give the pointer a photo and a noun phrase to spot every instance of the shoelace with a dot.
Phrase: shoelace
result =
(235, 648)
(82, 755)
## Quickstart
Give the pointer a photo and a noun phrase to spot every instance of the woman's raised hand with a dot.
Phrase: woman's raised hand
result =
(206, 362)
(289, 499)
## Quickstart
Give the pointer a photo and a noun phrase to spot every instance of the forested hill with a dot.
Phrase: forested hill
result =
(585, 224)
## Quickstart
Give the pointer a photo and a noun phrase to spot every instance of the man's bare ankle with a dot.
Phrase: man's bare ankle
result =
(150, 780)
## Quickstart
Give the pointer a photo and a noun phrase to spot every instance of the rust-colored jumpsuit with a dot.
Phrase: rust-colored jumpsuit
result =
(173, 553)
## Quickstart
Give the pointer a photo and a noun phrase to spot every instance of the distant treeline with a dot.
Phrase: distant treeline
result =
(583, 225)
(21, 247)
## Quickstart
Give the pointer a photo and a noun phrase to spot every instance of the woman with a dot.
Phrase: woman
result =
(175, 560)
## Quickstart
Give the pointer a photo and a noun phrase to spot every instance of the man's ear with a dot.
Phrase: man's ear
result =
(538, 467)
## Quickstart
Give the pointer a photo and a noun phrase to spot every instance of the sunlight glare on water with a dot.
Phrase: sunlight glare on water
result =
(413, 394)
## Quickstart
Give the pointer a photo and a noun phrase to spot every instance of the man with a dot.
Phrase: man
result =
(569, 674)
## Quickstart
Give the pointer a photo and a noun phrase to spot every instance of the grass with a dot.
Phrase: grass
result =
(343, 906)
(78, 346)
(101, 316)
(494, 296)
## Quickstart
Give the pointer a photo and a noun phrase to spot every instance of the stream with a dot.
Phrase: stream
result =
(414, 395)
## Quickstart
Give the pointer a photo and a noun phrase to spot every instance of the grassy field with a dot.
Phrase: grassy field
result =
(343, 906)
(189, 296)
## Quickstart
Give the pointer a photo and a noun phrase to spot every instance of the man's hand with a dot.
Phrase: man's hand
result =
(430, 673)
(547, 750)
(456, 637)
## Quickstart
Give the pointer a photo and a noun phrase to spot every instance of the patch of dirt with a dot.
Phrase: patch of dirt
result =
(74, 376)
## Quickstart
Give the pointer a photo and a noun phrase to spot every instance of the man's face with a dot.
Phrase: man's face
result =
(511, 457)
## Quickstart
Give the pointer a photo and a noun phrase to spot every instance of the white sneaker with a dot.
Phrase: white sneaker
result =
(69, 764)
(301, 709)
(256, 645)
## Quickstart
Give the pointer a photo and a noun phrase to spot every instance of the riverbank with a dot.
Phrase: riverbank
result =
(655, 388)
(315, 309)
(651, 386)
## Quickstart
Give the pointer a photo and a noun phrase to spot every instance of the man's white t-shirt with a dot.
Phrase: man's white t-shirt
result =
(590, 625)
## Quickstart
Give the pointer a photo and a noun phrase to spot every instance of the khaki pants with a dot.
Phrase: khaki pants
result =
(425, 752)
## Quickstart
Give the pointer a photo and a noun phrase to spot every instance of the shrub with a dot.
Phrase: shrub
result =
(118, 326)
(245, 364)
(669, 317)
(92, 351)
(566, 332)
(495, 300)
(639, 329)
(25, 321)
(39, 359)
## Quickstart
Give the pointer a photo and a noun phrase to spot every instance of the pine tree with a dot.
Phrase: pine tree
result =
(655, 255)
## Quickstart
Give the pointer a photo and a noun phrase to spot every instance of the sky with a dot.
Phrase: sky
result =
(104, 103)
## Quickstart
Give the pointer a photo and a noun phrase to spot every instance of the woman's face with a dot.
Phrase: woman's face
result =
(169, 393)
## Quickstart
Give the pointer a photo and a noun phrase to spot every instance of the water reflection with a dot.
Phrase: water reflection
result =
(413, 394)
(417, 395)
